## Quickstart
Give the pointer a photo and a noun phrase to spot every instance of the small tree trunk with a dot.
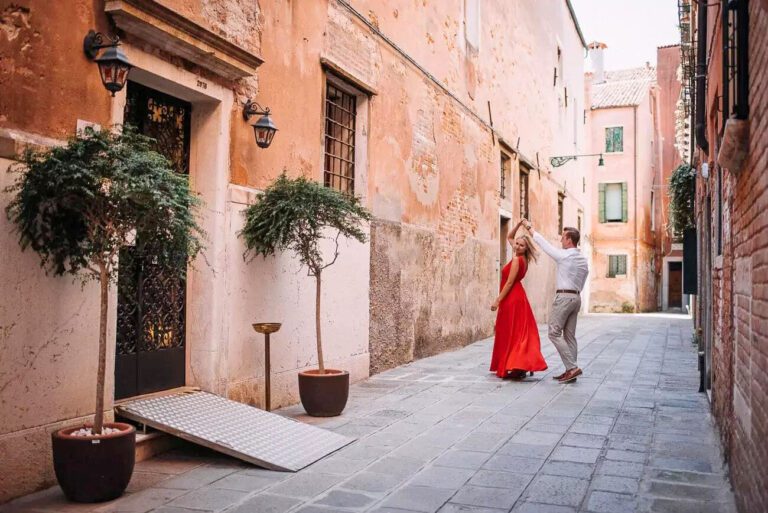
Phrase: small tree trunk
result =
(320, 363)
(98, 420)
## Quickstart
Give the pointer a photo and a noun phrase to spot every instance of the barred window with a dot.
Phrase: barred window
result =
(340, 115)
(614, 139)
(560, 201)
(735, 61)
(524, 173)
(617, 265)
(506, 169)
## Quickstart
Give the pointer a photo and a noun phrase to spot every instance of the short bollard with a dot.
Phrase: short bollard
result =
(266, 328)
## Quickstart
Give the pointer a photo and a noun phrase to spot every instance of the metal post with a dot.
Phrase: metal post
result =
(267, 328)
(267, 373)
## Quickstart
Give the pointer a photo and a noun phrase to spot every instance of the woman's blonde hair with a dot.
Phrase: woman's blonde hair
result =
(531, 254)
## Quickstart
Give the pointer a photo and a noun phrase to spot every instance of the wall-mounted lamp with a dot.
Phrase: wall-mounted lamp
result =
(559, 161)
(264, 128)
(704, 170)
(113, 64)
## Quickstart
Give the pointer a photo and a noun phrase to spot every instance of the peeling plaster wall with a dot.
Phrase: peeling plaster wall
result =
(47, 325)
(44, 74)
(434, 175)
(423, 284)
(432, 163)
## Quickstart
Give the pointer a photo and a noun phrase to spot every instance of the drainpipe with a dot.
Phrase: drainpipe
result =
(701, 78)
(635, 263)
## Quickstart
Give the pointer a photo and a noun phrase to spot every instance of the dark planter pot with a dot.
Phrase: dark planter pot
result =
(324, 395)
(94, 468)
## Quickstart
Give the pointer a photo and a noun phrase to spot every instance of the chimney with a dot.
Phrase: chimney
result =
(596, 50)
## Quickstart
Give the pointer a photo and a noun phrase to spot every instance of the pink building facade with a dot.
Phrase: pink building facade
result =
(626, 187)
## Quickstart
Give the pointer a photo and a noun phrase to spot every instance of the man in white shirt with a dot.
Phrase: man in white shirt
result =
(572, 273)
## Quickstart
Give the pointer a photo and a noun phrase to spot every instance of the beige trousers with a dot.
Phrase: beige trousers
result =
(562, 327)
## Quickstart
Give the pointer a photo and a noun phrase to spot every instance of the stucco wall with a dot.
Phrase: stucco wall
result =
(48, 325)
(49, 345)
(278, 290)
(432, 162)
(638, 166)
(430, 174)
(668, 77)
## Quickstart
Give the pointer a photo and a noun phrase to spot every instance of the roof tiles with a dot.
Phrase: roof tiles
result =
(623, 88)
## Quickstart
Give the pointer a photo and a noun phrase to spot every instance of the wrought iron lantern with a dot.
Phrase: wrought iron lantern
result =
(264, 129)
(114, 66)
(559, 161)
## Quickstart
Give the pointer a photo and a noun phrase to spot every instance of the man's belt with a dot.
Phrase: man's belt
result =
(567, 291)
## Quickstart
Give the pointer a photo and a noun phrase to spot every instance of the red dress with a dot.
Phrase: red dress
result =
(516, 345)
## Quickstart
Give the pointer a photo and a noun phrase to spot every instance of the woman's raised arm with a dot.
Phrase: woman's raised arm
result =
(511, 234)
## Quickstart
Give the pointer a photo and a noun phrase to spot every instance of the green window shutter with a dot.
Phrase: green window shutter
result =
(601, 202)
(618, 145)
(621, 264)
(624, 202)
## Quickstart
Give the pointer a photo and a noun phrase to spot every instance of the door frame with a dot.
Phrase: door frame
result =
(154, 369)
(209, 175)
(665, 282)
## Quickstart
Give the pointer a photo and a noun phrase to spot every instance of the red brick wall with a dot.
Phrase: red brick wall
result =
(749, 427)
(740, 289)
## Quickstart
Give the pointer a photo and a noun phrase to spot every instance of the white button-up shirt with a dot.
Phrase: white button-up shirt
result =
(572, 267)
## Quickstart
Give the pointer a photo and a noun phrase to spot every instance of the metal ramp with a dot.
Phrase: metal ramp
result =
(236, 429)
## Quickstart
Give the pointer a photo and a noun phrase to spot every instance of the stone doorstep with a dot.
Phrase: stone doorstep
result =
(149, 445)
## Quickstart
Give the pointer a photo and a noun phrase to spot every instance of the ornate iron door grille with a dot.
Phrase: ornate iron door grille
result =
(151, 298)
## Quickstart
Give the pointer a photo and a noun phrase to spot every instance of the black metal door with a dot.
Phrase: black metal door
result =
(151, 298)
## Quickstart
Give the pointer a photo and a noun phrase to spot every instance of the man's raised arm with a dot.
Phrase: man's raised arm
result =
(556, 253)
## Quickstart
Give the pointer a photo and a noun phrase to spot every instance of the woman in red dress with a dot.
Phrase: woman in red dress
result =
(516, 347)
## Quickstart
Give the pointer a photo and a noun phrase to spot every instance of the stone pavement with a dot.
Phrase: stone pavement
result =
(443, 434)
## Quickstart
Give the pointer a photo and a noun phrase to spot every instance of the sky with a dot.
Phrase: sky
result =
(632, 29)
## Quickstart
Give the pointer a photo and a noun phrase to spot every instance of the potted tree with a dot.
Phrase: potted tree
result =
(297, 214)
(76, 206)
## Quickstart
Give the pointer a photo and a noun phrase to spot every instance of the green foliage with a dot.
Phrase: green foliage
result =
(296, 214)
(682, 191)
(78, 204)
(627, 307)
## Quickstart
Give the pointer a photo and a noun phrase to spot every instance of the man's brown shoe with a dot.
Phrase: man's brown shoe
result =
(570, 376)
(559, 376)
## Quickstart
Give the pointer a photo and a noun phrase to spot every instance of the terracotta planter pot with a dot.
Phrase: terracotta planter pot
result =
(94, 468)
(324, 395)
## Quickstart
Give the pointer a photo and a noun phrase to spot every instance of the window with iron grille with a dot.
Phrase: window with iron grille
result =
(560, 201)
(506, 169)
(340, 116)
(617, 265)
(735, 60)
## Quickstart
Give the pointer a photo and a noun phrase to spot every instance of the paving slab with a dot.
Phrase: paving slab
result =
(443, 434)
